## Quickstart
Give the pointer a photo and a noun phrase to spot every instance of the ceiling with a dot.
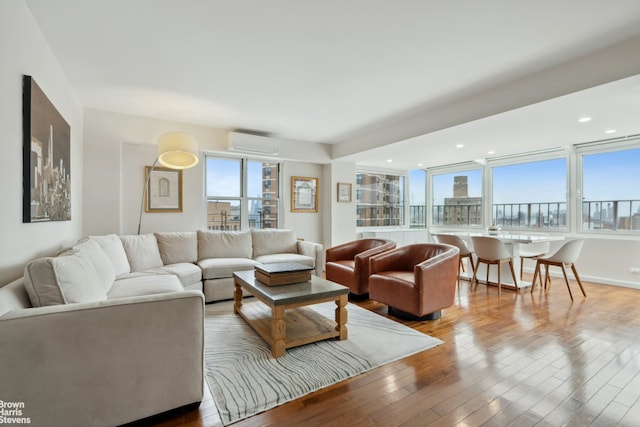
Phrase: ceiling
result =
(405, 81)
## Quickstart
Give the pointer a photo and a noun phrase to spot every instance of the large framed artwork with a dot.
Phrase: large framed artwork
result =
(164, 191)
(46, 158)
(304, 194)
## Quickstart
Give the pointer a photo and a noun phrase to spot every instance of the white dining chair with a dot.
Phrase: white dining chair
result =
(492, 251)
(533, 250)
(459, 243)
(566, 256)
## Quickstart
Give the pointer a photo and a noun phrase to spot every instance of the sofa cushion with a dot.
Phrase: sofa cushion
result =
(101, 262)
(64, 279)
(112, 247)
(218, 268)
(302, 259)
(224, 244)
(267, 242)
(142, 251)
(145, 284)
(177, 247)
(187, 272)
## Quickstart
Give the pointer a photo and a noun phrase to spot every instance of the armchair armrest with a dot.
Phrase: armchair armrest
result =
(315, 251)
(104, 363)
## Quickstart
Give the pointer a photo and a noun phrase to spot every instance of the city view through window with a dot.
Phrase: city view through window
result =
(229, 205)
(534, 195)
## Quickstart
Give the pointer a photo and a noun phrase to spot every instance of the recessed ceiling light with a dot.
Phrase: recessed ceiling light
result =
(584, 119)
(610, 131)
(420, 165)
(459, 145)
(491, 152)
(389, 160)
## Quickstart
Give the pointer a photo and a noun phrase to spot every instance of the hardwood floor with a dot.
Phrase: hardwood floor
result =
(516, 360)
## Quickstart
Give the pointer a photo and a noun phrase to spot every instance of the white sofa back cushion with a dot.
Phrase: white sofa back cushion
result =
(112, 247)
(266, 242)
(176, 247)
(100, 261)
(224, 244)
(142, 251)
(64, 279)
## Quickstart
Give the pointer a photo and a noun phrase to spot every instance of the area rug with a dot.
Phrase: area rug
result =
(244, 379)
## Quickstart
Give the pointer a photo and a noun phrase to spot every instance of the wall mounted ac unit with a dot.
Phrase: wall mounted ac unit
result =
(252, 144)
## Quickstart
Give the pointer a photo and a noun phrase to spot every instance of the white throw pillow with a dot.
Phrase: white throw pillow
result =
(65, 279)
(101, 262)
(266, 242)
(112, 247)
(224, 244)
(142, 251)
(177, 247)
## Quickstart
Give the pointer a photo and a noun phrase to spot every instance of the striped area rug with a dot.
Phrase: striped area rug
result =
(244, 379)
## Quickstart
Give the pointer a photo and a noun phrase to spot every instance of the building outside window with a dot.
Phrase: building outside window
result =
(457, 198)
(241, 194)
(379, 199)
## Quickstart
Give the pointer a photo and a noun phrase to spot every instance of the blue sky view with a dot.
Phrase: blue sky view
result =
(607, 176)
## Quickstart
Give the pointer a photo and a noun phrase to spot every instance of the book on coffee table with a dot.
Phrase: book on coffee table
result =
(282, 273)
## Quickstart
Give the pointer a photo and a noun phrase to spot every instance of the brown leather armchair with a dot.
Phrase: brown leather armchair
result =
(348, 263)
(416, 281)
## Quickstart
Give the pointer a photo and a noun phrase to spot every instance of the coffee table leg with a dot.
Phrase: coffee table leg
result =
(237, 296)
(278, 331)
(341, 317)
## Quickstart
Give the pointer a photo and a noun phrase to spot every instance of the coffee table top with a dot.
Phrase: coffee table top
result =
(316, 288)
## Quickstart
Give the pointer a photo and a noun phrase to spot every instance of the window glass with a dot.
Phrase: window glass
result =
(223, 177)
(457, 198)
(379, 200)
(610, 190)
(417, 194)
(228, 208)
(530, 195)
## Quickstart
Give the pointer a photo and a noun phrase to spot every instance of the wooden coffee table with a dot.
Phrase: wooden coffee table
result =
(280, 316)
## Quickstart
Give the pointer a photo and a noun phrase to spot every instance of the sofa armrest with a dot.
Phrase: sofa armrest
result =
(315, 251)
(104, 363)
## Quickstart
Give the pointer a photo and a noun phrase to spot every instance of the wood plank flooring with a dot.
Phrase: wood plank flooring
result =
(516, 360)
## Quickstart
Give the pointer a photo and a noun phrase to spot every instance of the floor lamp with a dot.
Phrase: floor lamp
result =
(176, 150)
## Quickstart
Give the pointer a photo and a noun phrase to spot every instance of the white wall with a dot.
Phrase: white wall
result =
(24, 50)
(340, 226)
(118, 146)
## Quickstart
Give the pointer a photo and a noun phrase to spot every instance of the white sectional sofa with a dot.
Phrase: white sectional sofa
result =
(112, 330)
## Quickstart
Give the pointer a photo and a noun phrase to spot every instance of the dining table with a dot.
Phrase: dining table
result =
(514, 241)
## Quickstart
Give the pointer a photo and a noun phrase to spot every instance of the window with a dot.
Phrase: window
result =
(417, 197)
(531, 195)
(457, 198)
(610, 190)
(241, 194)
(379, 199)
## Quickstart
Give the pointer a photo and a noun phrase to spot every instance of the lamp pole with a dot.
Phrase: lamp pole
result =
(144, 192)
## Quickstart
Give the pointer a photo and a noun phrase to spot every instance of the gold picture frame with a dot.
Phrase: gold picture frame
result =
(164, 191)
(344, 192)
(304, 194)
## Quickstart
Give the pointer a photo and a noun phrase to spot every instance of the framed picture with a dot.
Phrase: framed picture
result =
(344, 192)
(304, 194)
(164, 191)
(46, 158)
